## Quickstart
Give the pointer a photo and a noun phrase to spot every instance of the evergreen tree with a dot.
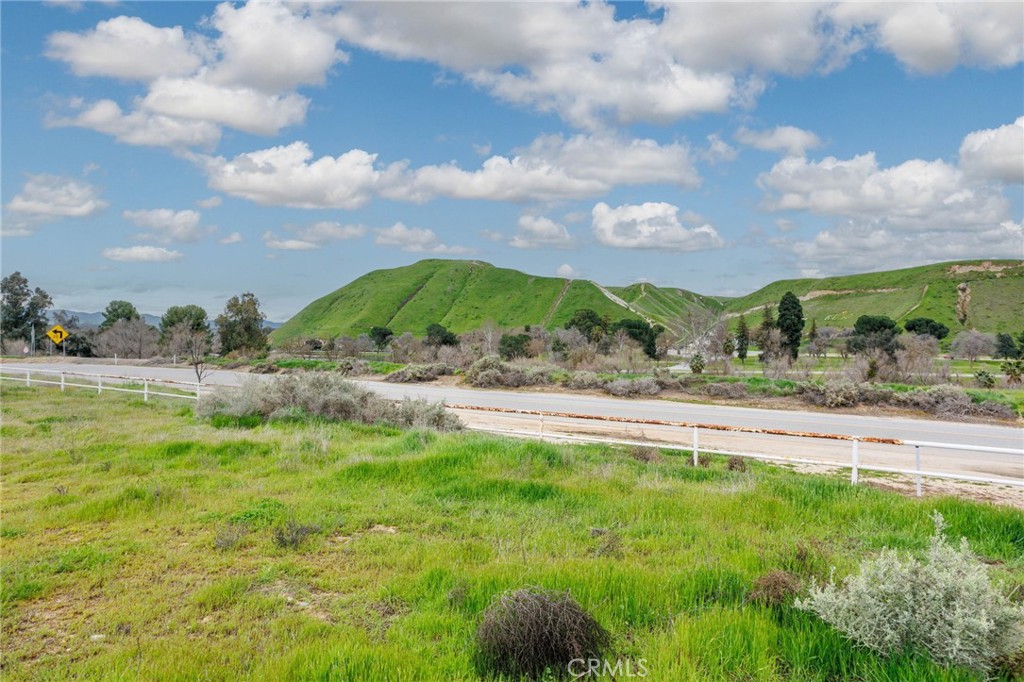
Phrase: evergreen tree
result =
(813, 333)
(22, 309)
(791, 323)
(742, 338)
(1005, 347)
(116, 311)
(241, 325)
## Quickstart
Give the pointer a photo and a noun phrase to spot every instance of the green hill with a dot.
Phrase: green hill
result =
(464, 294)
(997, 295)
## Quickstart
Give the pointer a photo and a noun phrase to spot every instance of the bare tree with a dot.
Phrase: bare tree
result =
(193, 345)
(695, 329)
(128, 339)
(915, 358)
(973, 344)
(406, 348)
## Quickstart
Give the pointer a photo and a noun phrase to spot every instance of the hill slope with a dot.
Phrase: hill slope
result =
(997, 295)
(463, 295)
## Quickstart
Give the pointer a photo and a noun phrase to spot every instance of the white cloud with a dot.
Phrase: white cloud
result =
(139, 127)
(239, 107)
(233, 238)
(566, 271)
(786, 225)
(652, 225)
(46, 198)
(790, 140)
(210, 202)
(272, 241)
(718, 150)
(272, 47)
(166, 226)
(414, 240)
(141, 254)
(539, 232)
(995, 153)
(914, 193)
(289, 176)
(127, 48)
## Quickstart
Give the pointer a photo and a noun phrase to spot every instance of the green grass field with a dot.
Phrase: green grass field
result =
(139, 543)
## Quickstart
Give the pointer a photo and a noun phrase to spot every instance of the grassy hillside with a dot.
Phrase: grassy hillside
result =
(161, 552)
(997, 295)
(463, 295)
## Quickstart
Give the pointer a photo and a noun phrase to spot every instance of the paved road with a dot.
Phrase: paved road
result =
(984, 435)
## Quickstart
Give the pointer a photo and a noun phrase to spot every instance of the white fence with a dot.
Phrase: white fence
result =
(192, 391)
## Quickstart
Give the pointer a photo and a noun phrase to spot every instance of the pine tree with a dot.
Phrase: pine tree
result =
(742, 338)
(791, 323)
(813, 333)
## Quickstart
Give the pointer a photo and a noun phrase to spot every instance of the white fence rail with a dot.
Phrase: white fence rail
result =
(192, 391)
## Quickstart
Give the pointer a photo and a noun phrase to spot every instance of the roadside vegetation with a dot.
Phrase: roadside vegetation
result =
(141, 541)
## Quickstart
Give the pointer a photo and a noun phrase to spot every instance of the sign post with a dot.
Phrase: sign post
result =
(57, 334)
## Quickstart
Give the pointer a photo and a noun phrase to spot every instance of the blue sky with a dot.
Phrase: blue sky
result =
(184, 152)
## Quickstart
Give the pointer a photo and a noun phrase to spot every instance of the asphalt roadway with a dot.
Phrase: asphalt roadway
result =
(1002, 465)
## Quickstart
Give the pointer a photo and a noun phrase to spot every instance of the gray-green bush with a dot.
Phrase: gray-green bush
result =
(324, 395)
(944, 603)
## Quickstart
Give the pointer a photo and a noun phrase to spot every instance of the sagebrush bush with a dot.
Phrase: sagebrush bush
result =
(726, 389)
(491, 371)
(353, 367)
(420, 373)
(943, 603)
(584, 380)
(291, 534)
(629, 388)
(775, 589)
(324, 395)
(530, 631)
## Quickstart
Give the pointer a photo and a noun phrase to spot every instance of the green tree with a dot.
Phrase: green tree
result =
(240, 326)
(118, 310)
(874, 332)
(380, 337)
(438, 335)
(926, 325)
(193, 316)
(762, 335)
(588, 323)
(813, 333)
(22, 309)
(1005, 347)
(791, 323)
(742, 338)
(514, 346)
(640, 331)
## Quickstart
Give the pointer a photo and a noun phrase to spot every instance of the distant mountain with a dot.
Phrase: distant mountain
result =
(463, 294)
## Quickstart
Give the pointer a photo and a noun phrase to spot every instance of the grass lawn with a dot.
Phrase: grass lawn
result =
(140, 543)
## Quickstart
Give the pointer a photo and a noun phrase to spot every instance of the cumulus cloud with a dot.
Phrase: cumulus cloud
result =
(995, 153)
(141, 254)
(210, 202)
(272, 241)
(718, 150)
(788, 140)
(165, 225)
(233, 238)
(46, 198)
(914, 193)
(139, 127)
(289, 176)
(539, 232)
(566, 271)
(126, 48)
(414, 240)
(313, 236)
(651, 225)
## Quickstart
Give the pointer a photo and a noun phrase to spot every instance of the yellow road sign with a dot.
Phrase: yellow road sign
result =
(57, 334)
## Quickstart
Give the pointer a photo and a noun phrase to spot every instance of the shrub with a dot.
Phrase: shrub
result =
(1014, 370)
(736, 463)
(264, 368)
(697, 363)
(353, 367)
(645, 453)
(529, 631)
(984, 379)
(229, 536)
(489, 371)
(944, 604)
(584, 380)
(323, 395)
(629, 388)
(291, 534)
(775, 588)
(726, 389)
(420, 373)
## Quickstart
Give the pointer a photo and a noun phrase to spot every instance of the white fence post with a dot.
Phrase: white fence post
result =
(856, 462)
(542, 427)
(62, 381)
(696, 446)
(917, 468)
(145, 390)
(28, 377)
(99, 385)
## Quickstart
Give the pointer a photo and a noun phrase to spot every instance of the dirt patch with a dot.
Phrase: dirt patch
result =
(817, 293)
(987, 266)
